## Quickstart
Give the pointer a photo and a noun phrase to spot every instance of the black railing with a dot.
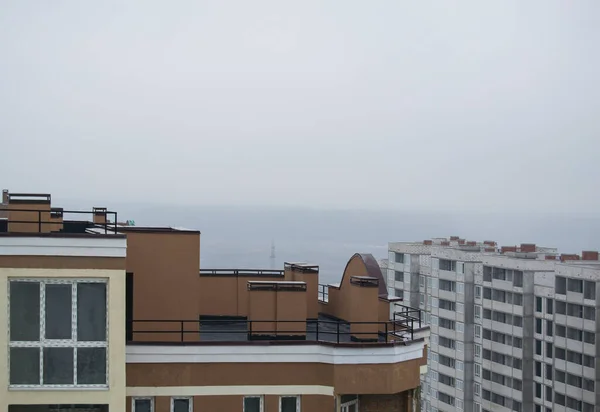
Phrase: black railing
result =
(323, 292)
(406, 319)
(242, 272)
(228, 330)
(55, 216)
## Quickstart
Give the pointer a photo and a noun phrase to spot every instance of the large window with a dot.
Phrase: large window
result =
(58, 333)
(449, 265)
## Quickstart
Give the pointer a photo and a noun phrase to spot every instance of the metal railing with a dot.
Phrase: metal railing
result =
(53, 217)
(239, 330)
(407, 318)
(242, 272)
(323, 292)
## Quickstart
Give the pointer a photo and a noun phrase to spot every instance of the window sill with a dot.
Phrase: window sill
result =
(57, 388)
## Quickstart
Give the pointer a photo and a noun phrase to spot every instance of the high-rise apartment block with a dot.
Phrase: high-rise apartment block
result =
(512, 328)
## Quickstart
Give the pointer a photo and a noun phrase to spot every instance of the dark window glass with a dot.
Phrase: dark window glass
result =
(24, 311)
(549, 306)
(399, 276)
(549, 328)
(181, 405)
(538, 326)
(91, 312)
(549, 393)
(58, 366)
(58, 311)
(24, 366)
(252, 404)
(143, 405)
(560, 285)
(288, 404)
(589, 290)
(91, 366)
(538, 304)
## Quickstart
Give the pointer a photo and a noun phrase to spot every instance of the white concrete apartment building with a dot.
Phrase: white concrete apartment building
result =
(512, 328)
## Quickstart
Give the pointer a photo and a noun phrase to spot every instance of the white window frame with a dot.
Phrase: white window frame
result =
(460, 385)
(60, 343)
(460, 288)
(460, 327)
(298, 409)
(460, 307)
(190, 400)
(478, 351)
(460, 366)
(459, 346)
(142, 398)
(262, 402)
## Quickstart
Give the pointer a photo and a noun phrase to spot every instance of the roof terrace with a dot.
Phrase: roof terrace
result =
(255, 305)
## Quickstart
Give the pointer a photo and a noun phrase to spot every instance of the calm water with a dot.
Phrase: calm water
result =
(238, 237)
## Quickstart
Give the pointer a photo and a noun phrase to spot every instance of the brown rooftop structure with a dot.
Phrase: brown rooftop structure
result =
(169, 331)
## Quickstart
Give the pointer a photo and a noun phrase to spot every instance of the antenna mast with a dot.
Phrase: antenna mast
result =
(272, 257)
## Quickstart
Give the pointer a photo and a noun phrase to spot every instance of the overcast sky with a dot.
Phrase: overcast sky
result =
(470, 105)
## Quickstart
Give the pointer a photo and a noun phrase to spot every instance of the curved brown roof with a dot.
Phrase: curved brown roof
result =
(373, 270)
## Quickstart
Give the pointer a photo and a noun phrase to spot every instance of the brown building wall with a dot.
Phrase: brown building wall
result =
(291, 306)
(262, 306)
(226, 295)
(39, 211)
(363, 307)
(165, 274)
(355, 303)
(346, 379)
(312, 290)
(234, 403)
(62, 262)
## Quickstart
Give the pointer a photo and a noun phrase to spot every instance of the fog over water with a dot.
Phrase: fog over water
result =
(240, 237)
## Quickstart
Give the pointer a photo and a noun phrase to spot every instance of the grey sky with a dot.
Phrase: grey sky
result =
(408, 105)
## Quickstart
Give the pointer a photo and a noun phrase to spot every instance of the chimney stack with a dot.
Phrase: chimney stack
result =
(589, 255)
(5, 196)
(505, 249)
(428, 242)
(528, 247)
(564, 257)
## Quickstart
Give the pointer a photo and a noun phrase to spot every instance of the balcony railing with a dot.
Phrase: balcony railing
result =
(408, 318)
(40, 221)
(242, 272)
(243, 330)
